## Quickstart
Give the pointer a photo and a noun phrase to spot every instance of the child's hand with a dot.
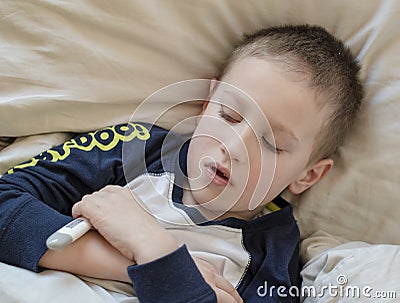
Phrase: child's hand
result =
(125, 224)
(224, 290)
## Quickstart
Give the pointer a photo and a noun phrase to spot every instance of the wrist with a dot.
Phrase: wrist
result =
(152, 248)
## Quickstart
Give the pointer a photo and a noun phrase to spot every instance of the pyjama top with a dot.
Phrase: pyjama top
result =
(259, 257)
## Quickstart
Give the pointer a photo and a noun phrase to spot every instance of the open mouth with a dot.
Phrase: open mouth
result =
(220, 173)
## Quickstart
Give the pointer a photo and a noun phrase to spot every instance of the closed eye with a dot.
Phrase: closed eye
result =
(272, 147)
(224, 115)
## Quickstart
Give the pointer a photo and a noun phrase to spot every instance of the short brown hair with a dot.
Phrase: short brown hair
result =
(330, 69)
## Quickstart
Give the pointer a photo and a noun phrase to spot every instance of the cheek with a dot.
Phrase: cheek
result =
(265, 180)
(262, 169)
(287, 172)
(193, 157)
(197, 153)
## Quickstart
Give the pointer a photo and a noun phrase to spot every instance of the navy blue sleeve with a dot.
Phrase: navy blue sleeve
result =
(36, 197)
(173, 278)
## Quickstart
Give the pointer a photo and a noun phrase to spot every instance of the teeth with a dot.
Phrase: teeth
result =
(218, 172)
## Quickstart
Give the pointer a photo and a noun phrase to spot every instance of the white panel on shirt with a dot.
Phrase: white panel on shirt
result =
(219, 245)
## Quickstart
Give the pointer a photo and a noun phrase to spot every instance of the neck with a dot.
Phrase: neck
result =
(189, 200)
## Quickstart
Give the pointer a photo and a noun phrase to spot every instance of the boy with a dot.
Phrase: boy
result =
(301, 79)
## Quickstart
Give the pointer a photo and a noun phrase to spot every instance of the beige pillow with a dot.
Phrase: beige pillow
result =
(359, 199)
(77, 66)
(24, 148)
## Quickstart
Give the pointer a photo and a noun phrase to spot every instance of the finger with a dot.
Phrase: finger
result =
(224, 297)
(201, 264)
(87, 209)
(76, 210)
(223, 284)
(111, 188)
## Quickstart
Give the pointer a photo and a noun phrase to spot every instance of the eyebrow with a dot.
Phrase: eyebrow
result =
(280, 127)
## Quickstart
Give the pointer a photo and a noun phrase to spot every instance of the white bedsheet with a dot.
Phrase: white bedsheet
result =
(18, 285)
(364, 272)
(354, 272)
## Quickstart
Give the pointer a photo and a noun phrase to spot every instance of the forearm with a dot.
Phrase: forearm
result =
(90, 256)
(177, 278)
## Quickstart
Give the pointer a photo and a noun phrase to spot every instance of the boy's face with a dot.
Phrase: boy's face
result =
(235, 161)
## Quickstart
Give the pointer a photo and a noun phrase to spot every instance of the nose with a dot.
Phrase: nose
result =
(236, 146)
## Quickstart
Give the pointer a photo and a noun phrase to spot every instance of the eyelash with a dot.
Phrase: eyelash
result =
(271, 147)
(231, 120)
(226, 117)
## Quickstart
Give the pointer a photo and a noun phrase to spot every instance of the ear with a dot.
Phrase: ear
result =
(311, 176)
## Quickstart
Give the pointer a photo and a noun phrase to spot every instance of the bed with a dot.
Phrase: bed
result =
(74, 66)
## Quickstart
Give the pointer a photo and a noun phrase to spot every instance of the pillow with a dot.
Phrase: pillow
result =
(24, 148)
(359, 199)
(77, 66)
(70, 66)
(353, 272)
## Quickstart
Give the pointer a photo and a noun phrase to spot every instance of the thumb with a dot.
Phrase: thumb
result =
(77, 210)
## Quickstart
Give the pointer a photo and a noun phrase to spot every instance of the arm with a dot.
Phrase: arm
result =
(90, 256)
(114, 213)
(172, 278)
(36, 197)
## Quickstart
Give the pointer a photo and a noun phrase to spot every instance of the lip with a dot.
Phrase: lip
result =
(211, 169)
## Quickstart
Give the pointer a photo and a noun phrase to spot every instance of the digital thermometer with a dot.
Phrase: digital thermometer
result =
(68, 233)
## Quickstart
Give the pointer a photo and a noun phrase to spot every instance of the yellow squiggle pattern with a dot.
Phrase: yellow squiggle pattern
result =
(105, 139)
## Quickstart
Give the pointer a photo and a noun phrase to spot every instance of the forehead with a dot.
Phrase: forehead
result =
(282, 96)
